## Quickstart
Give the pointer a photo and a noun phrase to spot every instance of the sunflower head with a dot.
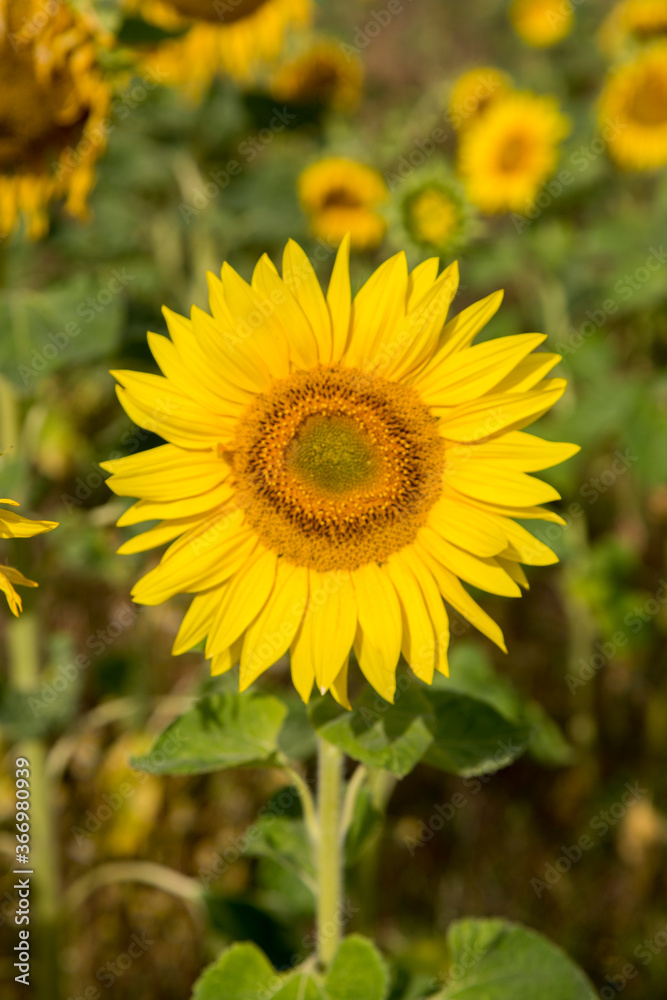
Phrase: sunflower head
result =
(334, 467)
(53, 102)
(342, 196)
(541, 23)
(234, 37)
(474, 92)
(321, 75)
(631, 23)
(13, 525)
(634, 99)
(506, 157)
(429, 212)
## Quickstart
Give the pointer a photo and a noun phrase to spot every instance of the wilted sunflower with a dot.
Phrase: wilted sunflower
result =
(53, 102)
(335, 467)
(320, 75)
(342, 196)
(429, 212)
(542, 23)
(635, 100)
(508, 154)
(474, 92)
(633, 22)
(236, 37)
(13, 525)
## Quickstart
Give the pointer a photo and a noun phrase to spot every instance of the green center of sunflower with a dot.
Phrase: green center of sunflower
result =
(336, 468)
(333, 454)
(219, 11)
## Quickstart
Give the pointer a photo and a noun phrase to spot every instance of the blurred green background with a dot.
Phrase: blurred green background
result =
(587, 641)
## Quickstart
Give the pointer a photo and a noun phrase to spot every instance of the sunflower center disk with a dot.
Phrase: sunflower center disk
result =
(649, 103)
(38, 119)
(336, 468)
(219, 11)
(332, 454)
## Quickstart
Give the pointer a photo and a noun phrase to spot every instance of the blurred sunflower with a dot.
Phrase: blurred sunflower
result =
(507, 155)
(631, 22)
(429, 212)
(335, 467)
(342, 196)
(542, 23)
(53, 103)
(13, 525)
(474, 92)
(320, 75)
(235, 37)
(635, 100)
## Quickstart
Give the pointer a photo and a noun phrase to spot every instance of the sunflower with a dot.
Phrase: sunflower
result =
(635, 99)
(474, 92)
(53, 103)
(320, 75)
(429, 212)
(13, 525)
(235, 37)
(633, 22)
(542, 23)
(333, 468)
(340, 196)
(506, 156)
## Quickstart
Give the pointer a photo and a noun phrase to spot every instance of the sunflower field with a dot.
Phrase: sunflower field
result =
(333, 449)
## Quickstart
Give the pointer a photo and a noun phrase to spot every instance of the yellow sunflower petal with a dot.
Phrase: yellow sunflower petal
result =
(300, 278)
(222, 662)
(14, 525)
(469, 374)
(164, 532)
(298, 332)
(485, 417)
(377, 310)
(525, 547)
(453, 519)
(242, 598)
(203, 557)
(270, 634)
(421, 279)
(377, 644)
(486, 574)
(524, 452)
(486, 480)
(413, 343)
(464, 327)
(197, 621)
(455, 594)
(339, 299)
(150, 510)
(339, 686)
(158, 406)
(257, 323)
(326, 634)
(166, 472)
(529, 372)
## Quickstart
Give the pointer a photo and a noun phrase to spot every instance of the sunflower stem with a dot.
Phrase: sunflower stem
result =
(329, 850)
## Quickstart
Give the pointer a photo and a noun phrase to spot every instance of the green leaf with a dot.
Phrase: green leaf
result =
(300, 986)
(471, 737)
(472, 673)
(393, 737)
(64, 325)
(286, 841)
(366, 824)
(220, 731)
(358, 970)
(496, 960)
(242, 971)
(449, 730)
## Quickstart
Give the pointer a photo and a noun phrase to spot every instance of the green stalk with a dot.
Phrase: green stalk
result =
(23, 657)
(329, 850)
